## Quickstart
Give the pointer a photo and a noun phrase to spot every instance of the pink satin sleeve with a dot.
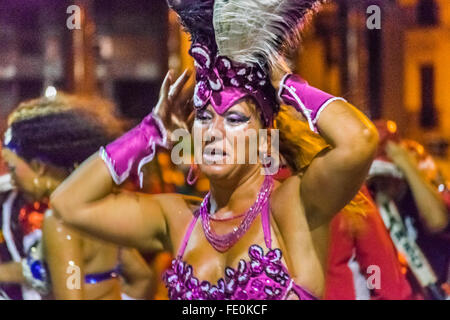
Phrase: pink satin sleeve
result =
(306, 99)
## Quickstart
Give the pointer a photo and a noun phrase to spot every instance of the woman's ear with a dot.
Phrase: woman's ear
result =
(269, 152)
(263, 144)
(38, 167)
(42, 169)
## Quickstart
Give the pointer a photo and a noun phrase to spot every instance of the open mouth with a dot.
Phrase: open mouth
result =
(214, 155)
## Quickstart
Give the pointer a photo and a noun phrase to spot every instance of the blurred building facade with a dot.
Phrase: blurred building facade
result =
(128, 48)
(400, 71)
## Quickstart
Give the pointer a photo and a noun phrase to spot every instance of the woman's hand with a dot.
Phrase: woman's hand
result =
(400, 156)
(432, 208)
(174, 107)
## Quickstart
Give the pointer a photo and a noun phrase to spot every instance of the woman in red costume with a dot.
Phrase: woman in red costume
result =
(362, 261)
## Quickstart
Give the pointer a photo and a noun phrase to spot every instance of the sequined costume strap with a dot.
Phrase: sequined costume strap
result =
(265, 220)
(188, 235)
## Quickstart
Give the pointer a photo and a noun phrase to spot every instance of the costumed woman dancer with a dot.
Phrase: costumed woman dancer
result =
(251, 237)
(46, 138)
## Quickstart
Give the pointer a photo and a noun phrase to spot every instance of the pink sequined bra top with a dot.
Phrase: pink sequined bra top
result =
(263, 277)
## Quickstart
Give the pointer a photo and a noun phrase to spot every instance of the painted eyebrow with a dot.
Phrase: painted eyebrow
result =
(236, 112)
(200, 112)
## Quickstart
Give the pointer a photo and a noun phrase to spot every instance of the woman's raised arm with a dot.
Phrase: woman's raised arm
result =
(86, 200)
(334, 177)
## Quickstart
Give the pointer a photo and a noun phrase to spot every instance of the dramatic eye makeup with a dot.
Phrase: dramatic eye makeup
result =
(203, 115)
(236, 118)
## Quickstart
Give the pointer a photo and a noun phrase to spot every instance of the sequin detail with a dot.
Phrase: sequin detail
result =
(264, 277)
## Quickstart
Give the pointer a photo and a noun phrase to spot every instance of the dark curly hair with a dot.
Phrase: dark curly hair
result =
(62, 131)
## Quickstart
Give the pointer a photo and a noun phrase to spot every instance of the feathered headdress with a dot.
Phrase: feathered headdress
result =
(196, 16)
(236, 43)
(257, 31)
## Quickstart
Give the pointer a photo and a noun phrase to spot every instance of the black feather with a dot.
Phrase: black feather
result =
(196, 16)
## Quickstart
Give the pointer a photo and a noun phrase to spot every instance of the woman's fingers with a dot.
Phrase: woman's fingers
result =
(173, 98)
(179, 123)
(176, 88)
(187, 92)
(161, 106)
(165, 87)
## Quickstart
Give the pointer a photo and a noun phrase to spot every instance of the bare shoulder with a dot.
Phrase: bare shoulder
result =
(288, 206)
(178, 211)
(291, 183)
(168, 199)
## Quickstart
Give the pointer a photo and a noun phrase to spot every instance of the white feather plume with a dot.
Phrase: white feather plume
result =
(257, 31)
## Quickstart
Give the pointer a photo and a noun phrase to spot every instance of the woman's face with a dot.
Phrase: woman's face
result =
(33, 178)
(229, 142)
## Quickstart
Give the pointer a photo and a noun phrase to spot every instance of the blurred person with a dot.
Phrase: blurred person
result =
(46, 139)
(414, 202)
(362, 260)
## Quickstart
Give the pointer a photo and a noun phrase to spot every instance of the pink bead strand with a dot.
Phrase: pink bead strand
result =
(224, 242)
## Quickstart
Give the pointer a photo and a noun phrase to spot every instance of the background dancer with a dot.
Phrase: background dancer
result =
(46, 139)
(412, 197)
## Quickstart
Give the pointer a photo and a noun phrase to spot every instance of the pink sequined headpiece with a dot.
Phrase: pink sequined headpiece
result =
(222, 83)
(236, 43)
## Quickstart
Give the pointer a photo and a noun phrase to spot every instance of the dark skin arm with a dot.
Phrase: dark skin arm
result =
(63, 251)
